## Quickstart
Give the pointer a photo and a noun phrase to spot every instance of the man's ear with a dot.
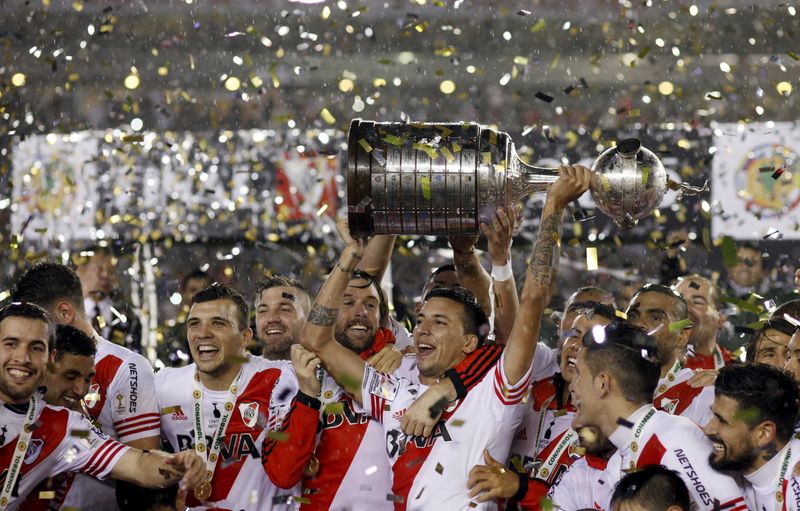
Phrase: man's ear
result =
(470, 343)
(602, 383)
(65, 313)
(765, 434)
(52, 358)
(247, 337)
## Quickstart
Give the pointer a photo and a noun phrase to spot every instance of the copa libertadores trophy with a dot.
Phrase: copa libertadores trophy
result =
(444, 178)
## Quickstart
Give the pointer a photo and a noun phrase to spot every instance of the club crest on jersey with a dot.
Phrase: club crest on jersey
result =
(93, 396)
(669, 405)
(34, 449)
(249, 413)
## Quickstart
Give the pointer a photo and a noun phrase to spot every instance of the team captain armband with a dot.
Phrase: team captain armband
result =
(380, 385)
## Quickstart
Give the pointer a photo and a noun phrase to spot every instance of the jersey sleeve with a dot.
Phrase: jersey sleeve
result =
(534, 495)
(286, 452)
(506, 393)
(709, 489)
(88, 450)
(545, 362)
(132, 399)
(470, 371)
(402, 337)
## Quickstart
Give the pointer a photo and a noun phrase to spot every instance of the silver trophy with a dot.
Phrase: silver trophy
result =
(445, 178)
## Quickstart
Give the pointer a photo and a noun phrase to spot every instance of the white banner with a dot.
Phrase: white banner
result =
(755, 181)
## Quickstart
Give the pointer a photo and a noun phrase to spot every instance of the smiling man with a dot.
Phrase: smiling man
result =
(450, 326)
(755, 412)
(663, 314)
(770, 343)
(71, 368)
(617, 373)
(40, 441)
(234, 402)
(282, 305)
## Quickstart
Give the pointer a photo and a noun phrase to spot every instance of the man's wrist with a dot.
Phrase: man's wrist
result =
(502, 272)
(523, 487)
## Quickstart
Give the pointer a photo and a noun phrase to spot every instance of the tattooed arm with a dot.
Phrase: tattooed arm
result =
(542, 271)
(344, 365)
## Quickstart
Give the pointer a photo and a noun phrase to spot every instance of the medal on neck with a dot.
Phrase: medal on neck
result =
(210, 452)
(312, 467)
(671, 375)
(782, 474)
(638, 429)
(20, 450)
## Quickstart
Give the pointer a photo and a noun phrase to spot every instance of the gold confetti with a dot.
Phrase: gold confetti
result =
(327, 116)
(591, 258)
(365, 145)
(47, 495)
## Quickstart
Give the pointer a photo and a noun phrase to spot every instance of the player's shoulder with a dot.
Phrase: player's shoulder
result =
(259, 367)
(169, 378)
(678, 429)
(106, 348)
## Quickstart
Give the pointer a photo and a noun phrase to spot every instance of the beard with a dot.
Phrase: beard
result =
(731, 461)
(21, 393)
(280, 350)
(356, 346)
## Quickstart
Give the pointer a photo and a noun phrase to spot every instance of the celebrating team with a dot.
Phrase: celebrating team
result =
(476, 414)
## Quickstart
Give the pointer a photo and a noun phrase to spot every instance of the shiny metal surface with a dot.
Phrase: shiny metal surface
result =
(629, 182)
(445, 178)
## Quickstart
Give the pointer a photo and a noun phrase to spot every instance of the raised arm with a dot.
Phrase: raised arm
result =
(377, 255)
(471, 274)
(346, 367)
(499, 235)
(542, 271)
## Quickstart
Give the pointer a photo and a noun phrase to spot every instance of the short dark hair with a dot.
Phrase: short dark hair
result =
(197, 273)
(653, 487)
(792, 308)
(70, 340)
(383, 306)
(768, 392)
(679, 306)
(271, 281)
(630, 354)
(29, 310)
(475, 320)
(47, 282)
(779, 324)
(601, 309)
(441, 269)
(219, 291)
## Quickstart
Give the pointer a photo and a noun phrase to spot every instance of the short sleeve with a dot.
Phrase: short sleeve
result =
(545, 362)
(132, 399)
(507, 394)
(88, 450)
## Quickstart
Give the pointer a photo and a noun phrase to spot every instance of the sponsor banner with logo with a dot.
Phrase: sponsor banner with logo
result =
(756, 181)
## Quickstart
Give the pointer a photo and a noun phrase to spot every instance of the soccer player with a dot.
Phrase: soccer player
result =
(793, 357)
(70, 369)
(703, 300)
(770, 343)
(429, 473)
(616, 375)
(755, 412)
(229, 407)
(282, 305)
(654, 488)
(38, 441)
(121, 397)
(663, 313)
(543, 447)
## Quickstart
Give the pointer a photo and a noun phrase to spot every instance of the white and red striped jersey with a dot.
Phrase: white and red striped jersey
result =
(761, 487)
(265, 396)
(62, 441)
(581, 487)
(677, 397)
(678, 444)
(549, 421)
(122, 400)
(354, 471)
(431, 473)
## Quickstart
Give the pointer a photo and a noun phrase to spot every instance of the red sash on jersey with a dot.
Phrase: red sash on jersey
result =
(677, 398)
(383, 337)
(701, 361)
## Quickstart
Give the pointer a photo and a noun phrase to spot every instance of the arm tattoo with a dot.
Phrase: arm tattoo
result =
(322, 316)
(544, 261)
